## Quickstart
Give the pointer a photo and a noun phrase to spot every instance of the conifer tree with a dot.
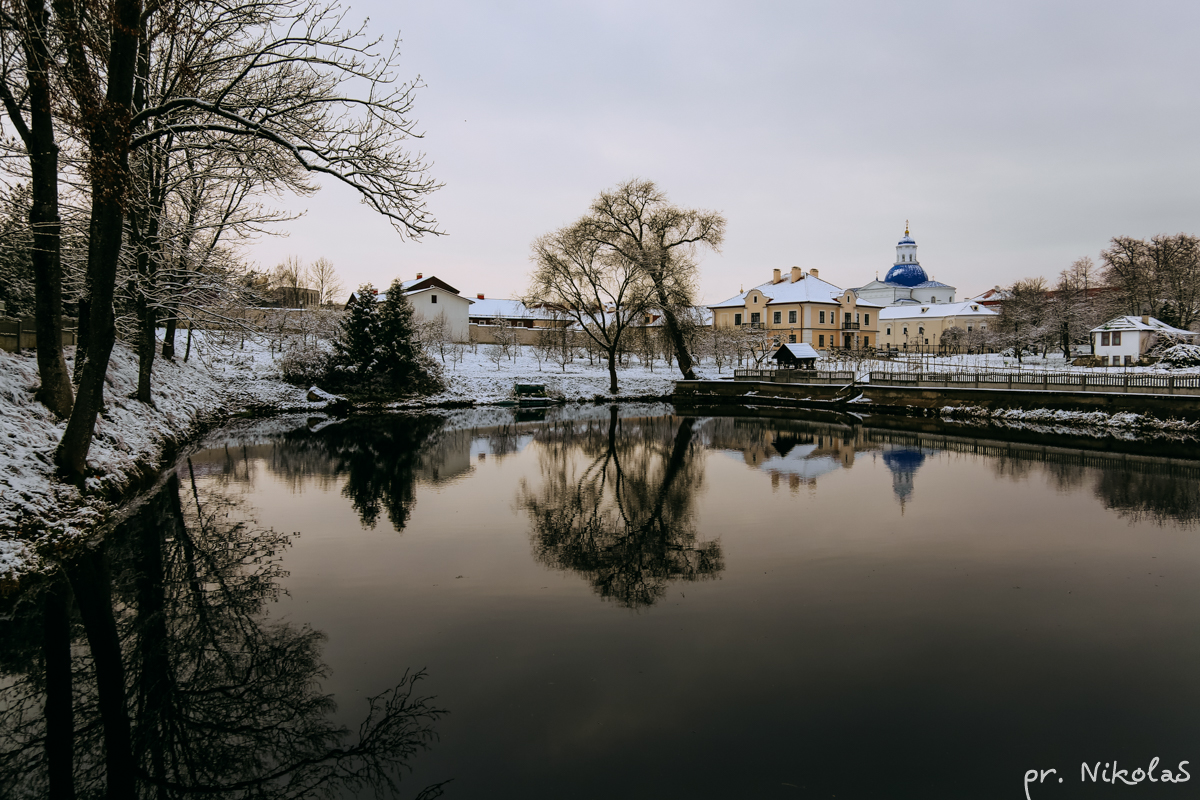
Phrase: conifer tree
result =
(377, 342)
(354, 347)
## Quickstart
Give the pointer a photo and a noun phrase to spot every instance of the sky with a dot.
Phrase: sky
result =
(1015, 137)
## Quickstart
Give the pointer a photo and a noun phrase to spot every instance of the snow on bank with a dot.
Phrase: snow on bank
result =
(129, 440)
(1097, 419)
(477, 379)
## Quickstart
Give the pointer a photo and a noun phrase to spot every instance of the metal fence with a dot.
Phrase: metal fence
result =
(1095, 381)
(1131, 382)
(793, 376)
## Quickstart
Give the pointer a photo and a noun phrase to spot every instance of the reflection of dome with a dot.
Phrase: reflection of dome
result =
(904, 465)
(906, 275)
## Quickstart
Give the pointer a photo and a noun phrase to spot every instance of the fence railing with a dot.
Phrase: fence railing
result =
(1046, 381)
(1131, 382)
(793, 376)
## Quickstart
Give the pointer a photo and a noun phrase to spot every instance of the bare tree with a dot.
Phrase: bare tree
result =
(435, 335)
(1072, 310)
(601, 293)
(1023, 324)
(636, 222)
(1177, 270)
(282, 74)
(325, 280)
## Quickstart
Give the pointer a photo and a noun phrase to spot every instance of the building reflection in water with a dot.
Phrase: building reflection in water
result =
(148, 666)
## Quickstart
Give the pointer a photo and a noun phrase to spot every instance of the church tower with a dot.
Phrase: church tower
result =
(907, 270)
(906, 250)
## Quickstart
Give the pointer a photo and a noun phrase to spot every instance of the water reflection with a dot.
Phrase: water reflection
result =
(149, 667)
(801, 452)
(615, 503)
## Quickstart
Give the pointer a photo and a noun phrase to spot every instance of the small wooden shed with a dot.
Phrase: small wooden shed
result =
(796, 356)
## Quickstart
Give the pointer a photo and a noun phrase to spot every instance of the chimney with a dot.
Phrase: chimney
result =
(479, 296)
(1145, 319)
(778, 276)
(419, 276)
(797, 274)
(813, 272)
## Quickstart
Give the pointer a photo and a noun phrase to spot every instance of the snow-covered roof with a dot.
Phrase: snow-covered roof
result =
(500, 308)
(1136, 324)
(808, 289)
(936, 311)
(799, 350)
(932, 284)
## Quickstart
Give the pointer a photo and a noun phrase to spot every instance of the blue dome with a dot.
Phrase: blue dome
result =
(908, 275)
(906, 240)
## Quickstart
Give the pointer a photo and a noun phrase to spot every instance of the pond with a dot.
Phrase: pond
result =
(640, 601)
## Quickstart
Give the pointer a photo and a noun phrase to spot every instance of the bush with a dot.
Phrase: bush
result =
(1182, 355)
(304, 364)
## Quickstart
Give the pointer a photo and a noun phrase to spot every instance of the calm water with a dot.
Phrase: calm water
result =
(635, 604)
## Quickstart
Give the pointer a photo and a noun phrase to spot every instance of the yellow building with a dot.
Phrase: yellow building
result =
(803, 308)
(919, 326)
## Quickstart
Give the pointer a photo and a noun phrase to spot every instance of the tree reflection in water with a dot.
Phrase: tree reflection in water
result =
(149, 668)
(618, 507)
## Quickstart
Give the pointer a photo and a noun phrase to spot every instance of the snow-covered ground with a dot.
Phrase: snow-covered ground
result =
(480, 380)
(36, 510)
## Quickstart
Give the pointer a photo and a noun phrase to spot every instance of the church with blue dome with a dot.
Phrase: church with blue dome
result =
(906, 282)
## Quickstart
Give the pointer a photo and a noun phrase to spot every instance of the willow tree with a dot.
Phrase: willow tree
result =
(635, 222)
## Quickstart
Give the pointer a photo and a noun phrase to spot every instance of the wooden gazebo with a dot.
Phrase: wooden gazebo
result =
(796, 356)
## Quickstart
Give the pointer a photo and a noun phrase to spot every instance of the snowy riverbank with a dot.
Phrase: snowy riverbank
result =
(37, 511)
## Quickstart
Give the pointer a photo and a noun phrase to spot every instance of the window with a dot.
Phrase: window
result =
(867, 320)
(1104, 339)
(792, 317)
(1128, 360)
(921, 331)
(433, 298)
(866, 341)
(777, 318)
(821, 340)
(889, 330)
(755, 318)
(755, 298)
(906, 330)
(737, 319)
(926, 341)
(1104, 361)
(822, 317)
(847, 316)
(857, 317)
(969, 329)
(792, 338)
(1116, 338)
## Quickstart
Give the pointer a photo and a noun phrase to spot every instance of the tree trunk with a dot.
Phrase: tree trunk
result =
(89, 582)
(146, 347)
(109, 170)
(171, 322)
(675, 336)
(59, 711)
(55, 392)
(612, 370)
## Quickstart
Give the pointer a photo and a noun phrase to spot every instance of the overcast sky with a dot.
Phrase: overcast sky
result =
(1015, 136)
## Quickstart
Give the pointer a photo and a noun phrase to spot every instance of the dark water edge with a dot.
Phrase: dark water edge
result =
(662, 663)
